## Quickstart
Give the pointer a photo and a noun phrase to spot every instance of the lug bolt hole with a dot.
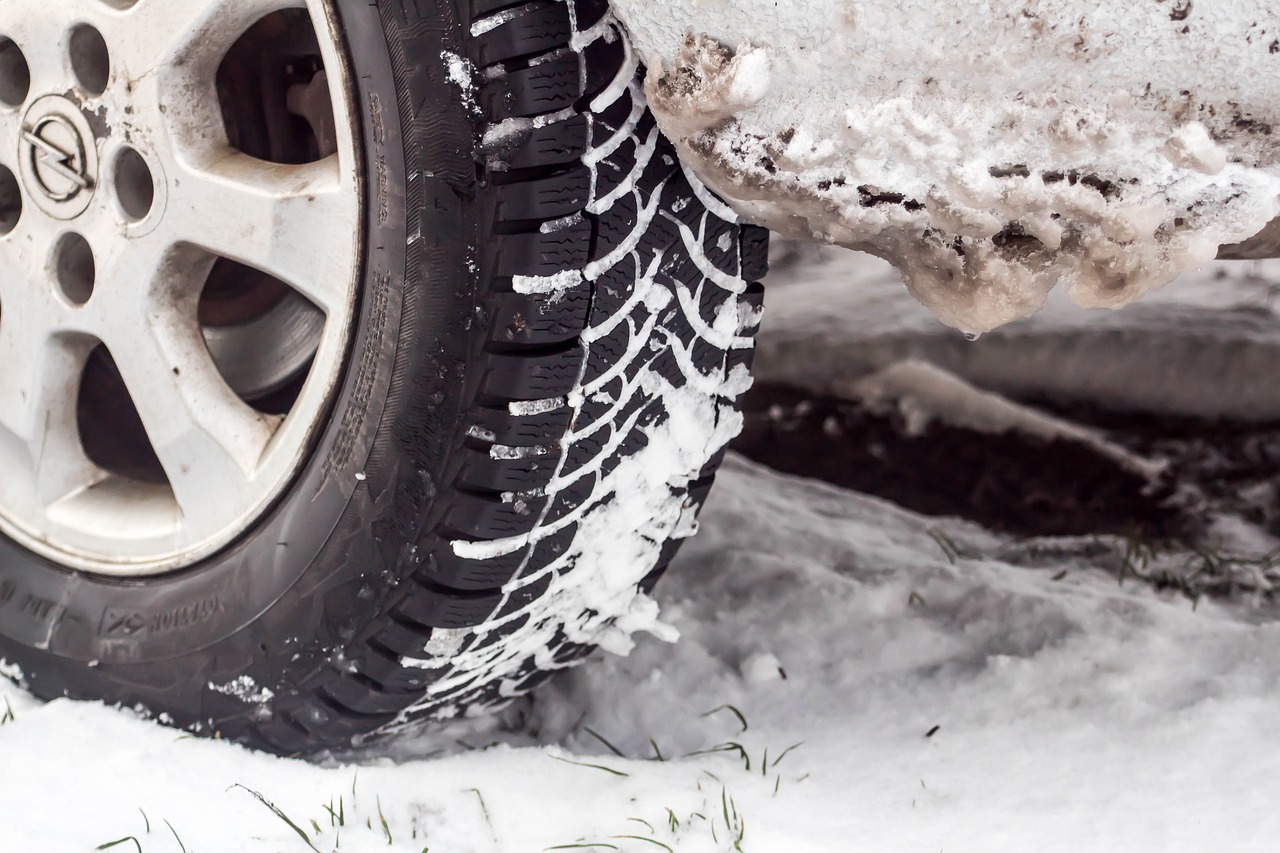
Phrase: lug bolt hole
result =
(10, 201)
(73, 264)
(135, 187)
(89, 59)
(15, 76)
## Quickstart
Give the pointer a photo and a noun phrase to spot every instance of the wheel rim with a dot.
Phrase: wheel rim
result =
(196, 247)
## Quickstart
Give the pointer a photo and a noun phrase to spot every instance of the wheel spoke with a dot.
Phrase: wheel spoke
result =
(39, 388)
(208, 441)
(61, 466)
(37, 371)
(193, 34)
(292, 222)
(38, 405)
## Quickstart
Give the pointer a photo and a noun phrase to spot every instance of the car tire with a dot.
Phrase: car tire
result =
(551, 331)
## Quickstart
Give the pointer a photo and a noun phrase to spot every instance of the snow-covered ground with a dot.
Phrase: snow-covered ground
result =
(917, 684)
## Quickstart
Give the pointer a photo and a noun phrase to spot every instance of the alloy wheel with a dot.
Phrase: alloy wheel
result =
(179, 249)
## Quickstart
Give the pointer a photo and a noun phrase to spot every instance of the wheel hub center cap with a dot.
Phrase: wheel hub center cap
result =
(58, 157)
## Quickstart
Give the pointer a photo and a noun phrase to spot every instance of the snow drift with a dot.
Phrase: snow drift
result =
(988, 149)
(1067, 713)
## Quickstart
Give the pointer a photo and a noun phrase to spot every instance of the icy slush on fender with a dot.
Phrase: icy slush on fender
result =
(989, 150)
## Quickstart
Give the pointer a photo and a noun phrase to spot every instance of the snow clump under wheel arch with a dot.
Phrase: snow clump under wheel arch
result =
(990, 151)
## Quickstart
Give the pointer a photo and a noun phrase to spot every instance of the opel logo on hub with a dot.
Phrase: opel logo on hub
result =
(57, 158)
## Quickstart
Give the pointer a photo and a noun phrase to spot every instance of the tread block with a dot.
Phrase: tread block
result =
(640, 407)
(528, 378)
(493, 638)
(680, 199)
(611, 119)
(543, 88)
(499, 426)
(755, 252)
(285, 737)
(543, 199)
(604, 58)
(446, 568)
(482, 472)
(707, 357)
(657, 172)
(666, 366)
(753, 297)
(573, 496)
(318, 713)
(739, 358)
(590, 12)
(482, 8)
(712, 300)
(720, 244)
(441, 610)
(679, 266)
(539, 253)
(699, 490)
(485, 517)
(363, 696)
(403, 638)
(382, 665)
(520, 319)
(538, 30)
(550, 548)
(617, 167)
(613, 292)
(606, 351)
(557, 144)
(615, 226)
(525, 596)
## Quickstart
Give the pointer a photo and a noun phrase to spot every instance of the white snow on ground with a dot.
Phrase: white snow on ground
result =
(992, 148)
(1068, 712)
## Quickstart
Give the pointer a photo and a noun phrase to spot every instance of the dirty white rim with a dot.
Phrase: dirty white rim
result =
(224, 461)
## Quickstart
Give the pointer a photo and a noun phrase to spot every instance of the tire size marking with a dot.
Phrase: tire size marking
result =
(119, 623)
(380, 159)
(37, 608)
(362, 394)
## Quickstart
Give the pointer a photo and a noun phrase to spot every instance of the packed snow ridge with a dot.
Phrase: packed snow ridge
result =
(990, 149)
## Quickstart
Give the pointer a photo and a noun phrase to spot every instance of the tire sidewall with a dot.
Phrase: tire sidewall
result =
(53, 622)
